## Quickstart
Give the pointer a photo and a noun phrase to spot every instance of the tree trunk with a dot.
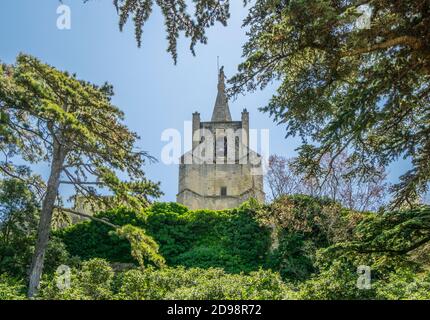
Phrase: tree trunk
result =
(44, 229)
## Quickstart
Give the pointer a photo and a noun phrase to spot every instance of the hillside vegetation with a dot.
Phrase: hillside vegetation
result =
(297, 247)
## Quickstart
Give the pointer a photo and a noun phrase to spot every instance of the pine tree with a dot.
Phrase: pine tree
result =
(54, 117)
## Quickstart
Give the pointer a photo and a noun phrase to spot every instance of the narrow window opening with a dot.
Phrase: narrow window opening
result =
(236, 149)
(223, 191)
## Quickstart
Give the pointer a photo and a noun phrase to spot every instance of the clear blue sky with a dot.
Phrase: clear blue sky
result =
(153, 92)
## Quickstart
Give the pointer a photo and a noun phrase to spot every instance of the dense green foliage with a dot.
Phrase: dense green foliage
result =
(97, 280)
(298, 236)
(352, 75)
(11, 289)
(297, 247)
(229, 239)
(143, 247)
(302, 225)
(396, 232)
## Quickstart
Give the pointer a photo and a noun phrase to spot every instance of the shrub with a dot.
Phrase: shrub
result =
(91, 239)
(294, 257)
(92, 281)
(338, 282)
(405, 284)
(301, 226)
(95, 280)
(228, 239)
(11, 289)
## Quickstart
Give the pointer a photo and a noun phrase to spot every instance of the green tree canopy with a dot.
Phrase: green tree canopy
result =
(344, 85)
(394, 233)
(72, 124)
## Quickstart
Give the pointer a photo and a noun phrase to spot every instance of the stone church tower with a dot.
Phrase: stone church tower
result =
(220, 171)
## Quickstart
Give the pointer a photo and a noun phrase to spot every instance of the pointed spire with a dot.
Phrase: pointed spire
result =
(221, 110)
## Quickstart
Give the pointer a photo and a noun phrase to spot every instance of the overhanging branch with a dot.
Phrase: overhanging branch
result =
(410, 41)
(89, 217)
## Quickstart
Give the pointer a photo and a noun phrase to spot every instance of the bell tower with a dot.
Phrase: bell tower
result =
(226, 178)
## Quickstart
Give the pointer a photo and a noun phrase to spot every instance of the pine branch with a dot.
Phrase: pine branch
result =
(88, 216)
